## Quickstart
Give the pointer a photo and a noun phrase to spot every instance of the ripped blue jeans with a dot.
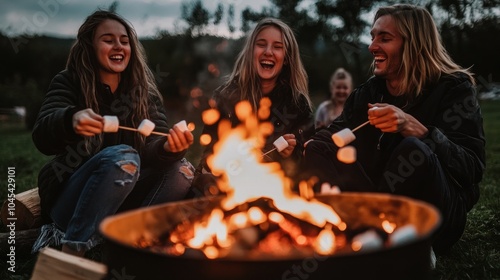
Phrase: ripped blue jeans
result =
(99, 188)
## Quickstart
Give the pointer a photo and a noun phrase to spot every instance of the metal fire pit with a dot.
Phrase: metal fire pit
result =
(357, 210)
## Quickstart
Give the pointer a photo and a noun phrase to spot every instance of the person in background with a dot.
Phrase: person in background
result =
(269, 65)
(340, 87)
(425, 139)
(95, 174)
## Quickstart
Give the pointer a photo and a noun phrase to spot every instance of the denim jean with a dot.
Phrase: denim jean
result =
(99, 189)
(94, 191)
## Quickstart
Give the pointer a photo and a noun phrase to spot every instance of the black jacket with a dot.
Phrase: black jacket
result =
(53, 133)
(450, 111)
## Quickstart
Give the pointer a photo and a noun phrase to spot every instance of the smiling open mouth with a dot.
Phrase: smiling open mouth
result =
(266, 64)
(116, 57)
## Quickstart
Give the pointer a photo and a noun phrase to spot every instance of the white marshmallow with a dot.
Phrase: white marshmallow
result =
(367, 241)
(347, 154)
(111, 124)
(326, 188)
(403, 235)
(280, 144)
(343, 137)
(146, 127)
(182, 125)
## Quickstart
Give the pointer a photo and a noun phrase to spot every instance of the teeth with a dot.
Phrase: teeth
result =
(117, 57)
(265, 62)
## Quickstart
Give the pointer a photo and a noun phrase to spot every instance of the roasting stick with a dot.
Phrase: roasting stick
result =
(268, 152)
(112, 124)
(360, 126)
(135, 129)
(279, 144)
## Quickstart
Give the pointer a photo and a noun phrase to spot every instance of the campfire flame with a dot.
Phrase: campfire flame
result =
(237, 159)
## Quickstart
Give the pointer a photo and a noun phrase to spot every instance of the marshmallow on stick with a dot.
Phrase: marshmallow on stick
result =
(182, 125)
(111, 124)
(346, 136)
(343, 137)
(279, 144)
(146, 127)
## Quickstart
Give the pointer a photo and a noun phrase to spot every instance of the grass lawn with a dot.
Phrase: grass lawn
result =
(475, 256)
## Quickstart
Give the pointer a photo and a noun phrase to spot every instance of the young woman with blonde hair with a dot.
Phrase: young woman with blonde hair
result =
(269, 65)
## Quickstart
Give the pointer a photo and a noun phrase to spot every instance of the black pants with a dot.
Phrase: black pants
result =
(412, 170)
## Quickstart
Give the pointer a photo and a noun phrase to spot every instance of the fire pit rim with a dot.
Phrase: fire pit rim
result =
(319, 197)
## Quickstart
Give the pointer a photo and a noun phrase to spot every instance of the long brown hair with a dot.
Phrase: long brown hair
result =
(137, 80)
(244, 74)
(424, 57)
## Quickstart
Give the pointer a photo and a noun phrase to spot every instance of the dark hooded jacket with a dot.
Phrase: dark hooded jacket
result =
(53, 133)
(451, 112)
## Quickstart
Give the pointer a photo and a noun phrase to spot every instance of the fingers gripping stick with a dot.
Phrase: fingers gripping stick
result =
(279, 144)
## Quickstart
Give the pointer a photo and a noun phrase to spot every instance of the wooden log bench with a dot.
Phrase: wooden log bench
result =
(53, 264)
(24, 212)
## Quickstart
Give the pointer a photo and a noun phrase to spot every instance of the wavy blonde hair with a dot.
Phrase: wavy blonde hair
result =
(245, 76)
(424, 57)
(137, 80)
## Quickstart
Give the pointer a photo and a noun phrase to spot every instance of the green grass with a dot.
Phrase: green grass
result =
(475, 256)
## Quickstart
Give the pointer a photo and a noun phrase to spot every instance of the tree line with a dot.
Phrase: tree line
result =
(189, 65)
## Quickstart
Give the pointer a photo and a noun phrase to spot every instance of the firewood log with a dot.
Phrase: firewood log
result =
(25, 208)
(54, 264)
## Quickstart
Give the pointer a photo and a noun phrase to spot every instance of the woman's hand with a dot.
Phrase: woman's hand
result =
(177, 140)
(87, 123)
(292, 142)
(389, 118)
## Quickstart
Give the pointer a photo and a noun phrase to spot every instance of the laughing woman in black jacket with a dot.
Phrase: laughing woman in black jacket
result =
(95, 174)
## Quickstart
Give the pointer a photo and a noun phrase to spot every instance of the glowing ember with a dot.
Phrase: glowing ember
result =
(205, 139)
(388, 226)
(210, 116)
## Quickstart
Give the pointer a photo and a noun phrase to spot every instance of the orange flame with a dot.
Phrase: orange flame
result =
(244, 178)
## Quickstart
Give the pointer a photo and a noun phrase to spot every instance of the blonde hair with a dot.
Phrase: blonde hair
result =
(340, 74)
(424, 57)
(245, 76)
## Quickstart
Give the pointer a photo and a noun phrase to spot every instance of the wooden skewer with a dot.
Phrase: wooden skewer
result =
(361, 125)
(268, 152)
(135, 129)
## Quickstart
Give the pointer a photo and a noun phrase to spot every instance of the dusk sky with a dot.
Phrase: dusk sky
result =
(62, 18)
